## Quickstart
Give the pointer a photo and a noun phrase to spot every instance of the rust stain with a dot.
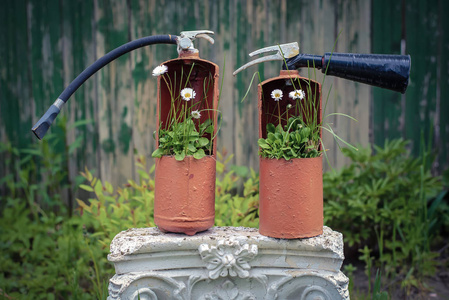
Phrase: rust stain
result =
(178, 206)
(291, 206)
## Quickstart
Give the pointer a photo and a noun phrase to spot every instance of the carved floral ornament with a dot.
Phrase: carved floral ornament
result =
(228, 257)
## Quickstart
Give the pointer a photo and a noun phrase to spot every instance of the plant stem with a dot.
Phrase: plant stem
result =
(279, 112)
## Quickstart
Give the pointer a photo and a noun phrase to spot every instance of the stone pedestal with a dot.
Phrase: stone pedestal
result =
(226, 263)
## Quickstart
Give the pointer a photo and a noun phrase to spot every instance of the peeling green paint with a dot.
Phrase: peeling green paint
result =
(46, 44)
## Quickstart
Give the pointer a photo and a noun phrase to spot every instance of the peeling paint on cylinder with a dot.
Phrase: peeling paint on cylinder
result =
(291, 197)
(185, 194)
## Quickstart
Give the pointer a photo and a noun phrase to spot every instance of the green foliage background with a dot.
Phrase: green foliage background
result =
(386, 203)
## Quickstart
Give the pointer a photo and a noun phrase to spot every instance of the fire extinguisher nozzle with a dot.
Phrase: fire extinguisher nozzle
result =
(42, 126)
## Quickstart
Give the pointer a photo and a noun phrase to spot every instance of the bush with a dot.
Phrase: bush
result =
(385, 203)
(388, 202)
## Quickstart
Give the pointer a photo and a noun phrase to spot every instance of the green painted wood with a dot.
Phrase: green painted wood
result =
(15, 108)
(386, 39)
(44, 45)
(442, 106)
(422, 109)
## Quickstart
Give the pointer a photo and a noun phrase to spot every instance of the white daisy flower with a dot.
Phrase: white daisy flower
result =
(297, 94)
(159, 70)
(196, 114)
(188, 94)
(276, 95)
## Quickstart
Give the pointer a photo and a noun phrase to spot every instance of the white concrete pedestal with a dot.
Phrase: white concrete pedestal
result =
(226, 263)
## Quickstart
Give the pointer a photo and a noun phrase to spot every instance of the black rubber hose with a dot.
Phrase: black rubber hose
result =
(386, 71)
(42, 126)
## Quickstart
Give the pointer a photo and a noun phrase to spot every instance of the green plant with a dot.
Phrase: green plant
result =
(42, 247)
(349, 270)
(294, 140)
(39, 172)
(377, 293)
(233, 208)
(185, 132)
(380, 202)
(112, 210)
(183, 139)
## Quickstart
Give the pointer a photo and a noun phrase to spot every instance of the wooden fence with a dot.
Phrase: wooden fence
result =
(45, 44)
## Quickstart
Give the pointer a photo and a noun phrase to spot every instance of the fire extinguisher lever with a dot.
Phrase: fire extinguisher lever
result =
(282, 52)
(186, 38)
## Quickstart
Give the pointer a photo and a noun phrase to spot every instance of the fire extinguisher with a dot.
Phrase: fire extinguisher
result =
(291, 184)
(184, 190)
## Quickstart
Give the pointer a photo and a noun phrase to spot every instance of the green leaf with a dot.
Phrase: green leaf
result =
(157, 153)
(263, 144)
(76, 144)
(203, 141)
(199, 154)
(109, 187)
(180, 156)
(143, 174)
(80, 123)
(191, 148)
(271, 137)
(86, 187)
(271, 128)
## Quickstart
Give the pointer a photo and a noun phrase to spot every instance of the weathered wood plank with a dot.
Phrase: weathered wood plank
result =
(387, 106)
(65, 37)
(353, 21)
(114, 93)
(78, 50)
(421, 23)
(441, 123)
(421, 26)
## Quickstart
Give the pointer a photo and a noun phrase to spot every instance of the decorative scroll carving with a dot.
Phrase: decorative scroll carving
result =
(229, 291)
(228, 258)
(145, 286)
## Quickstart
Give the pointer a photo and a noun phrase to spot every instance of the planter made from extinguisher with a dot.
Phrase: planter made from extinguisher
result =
(185, 194)
(185, 190)
(291, 197)
(291, 191)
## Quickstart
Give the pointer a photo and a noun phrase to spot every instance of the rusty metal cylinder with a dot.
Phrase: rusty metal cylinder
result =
(291, 197)
(291, 191)
(185, 194)
(185, 190)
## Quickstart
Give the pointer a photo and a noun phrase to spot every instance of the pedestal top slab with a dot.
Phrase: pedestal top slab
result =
(150, 240)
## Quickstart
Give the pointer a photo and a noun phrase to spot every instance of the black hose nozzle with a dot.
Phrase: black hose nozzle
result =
(41, 127)
(386, 71)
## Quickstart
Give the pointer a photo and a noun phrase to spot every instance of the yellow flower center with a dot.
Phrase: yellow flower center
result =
(187, 95)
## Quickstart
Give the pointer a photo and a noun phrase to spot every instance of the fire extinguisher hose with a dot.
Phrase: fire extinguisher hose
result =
(386, 71)
(41, 127)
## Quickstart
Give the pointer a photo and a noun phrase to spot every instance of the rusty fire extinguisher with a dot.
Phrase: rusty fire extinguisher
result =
(185, 190)
(291, 187)
(185, 186)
